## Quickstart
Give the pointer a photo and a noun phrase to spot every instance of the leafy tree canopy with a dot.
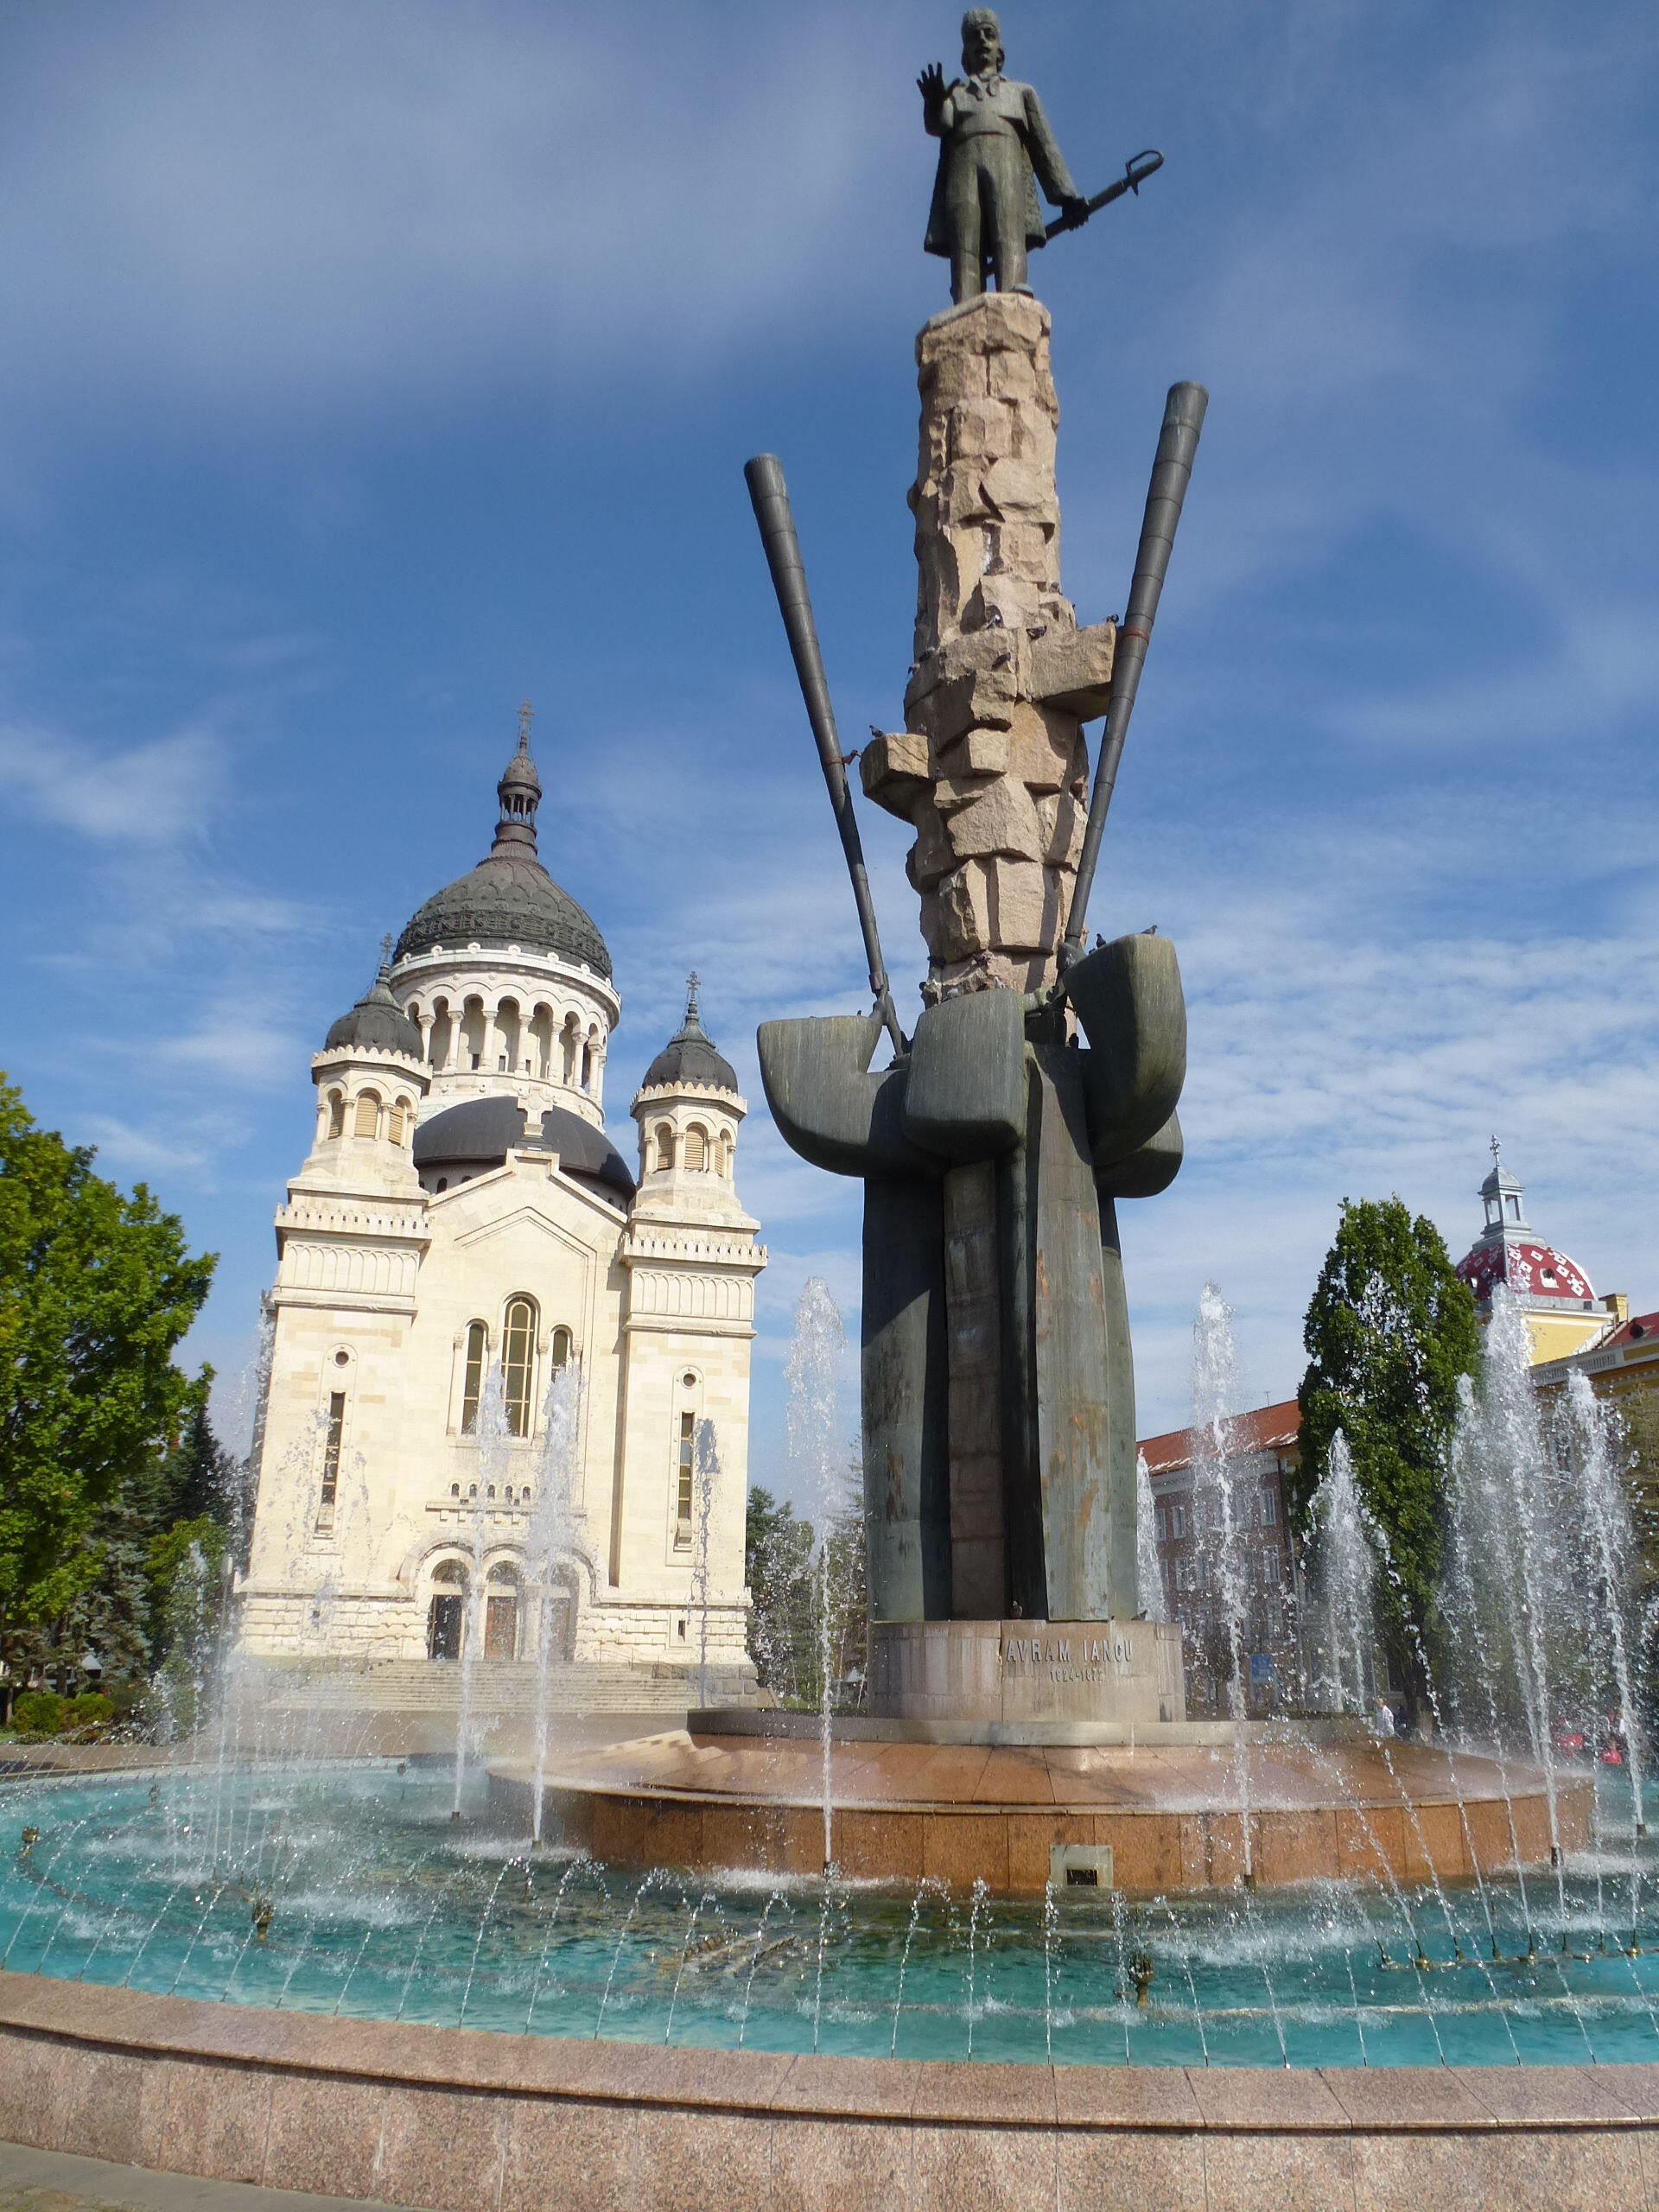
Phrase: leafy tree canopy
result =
(1391, 1331)
(96, 1288)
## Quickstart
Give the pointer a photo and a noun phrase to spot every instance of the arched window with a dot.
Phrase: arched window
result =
(664, 1136)
(336, 1114)
(559, 1352)
(570, 1045)
(518, 1363)
(472, 1388)
(589, 1061)
(395, 1125)
(696, 1148)
(366, 1122)
(727, 1149)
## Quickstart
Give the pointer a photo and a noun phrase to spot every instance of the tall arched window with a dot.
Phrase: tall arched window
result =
(727, 1148)
(518, 1363)
(559, 1352)
(664, 1141)
(472, 1387)
(696, 1148)
(398, 1121)
(336, 1113)
(367, 1121)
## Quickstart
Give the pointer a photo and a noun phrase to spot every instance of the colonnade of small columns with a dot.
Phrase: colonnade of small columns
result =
(366, 1108)
(497, 1037)
(696, 1148)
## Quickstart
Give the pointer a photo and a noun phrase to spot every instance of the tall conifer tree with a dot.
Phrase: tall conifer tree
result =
(1391, 1331)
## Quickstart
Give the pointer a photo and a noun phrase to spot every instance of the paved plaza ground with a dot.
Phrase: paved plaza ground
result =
(45, 2181)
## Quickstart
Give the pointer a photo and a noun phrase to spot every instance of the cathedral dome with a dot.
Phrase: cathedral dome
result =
(1531, 1270)
(688, 1057)
(378, 1022)
(1510, 1251)
(509, 898)
(480, 1132)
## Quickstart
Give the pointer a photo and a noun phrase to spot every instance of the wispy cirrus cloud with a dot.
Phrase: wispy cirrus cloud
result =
(158, 792)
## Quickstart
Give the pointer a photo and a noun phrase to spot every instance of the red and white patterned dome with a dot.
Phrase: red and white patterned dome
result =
(1509, 1250)
(1531, 1271)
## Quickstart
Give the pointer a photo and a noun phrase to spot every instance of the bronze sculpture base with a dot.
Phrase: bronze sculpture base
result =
(1168, 1813)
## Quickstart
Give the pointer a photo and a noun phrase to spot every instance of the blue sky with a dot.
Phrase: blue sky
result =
(366, 368)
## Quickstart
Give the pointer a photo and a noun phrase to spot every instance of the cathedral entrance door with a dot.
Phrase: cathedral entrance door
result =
(500, 1627)
(444, 1628)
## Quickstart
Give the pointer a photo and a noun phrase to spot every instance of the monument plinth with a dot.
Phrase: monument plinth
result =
(1009, 1671)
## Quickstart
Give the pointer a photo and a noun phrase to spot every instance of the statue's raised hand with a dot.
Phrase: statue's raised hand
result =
(931, 86)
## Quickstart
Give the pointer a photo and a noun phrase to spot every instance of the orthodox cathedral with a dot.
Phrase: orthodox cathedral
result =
(461, 1231)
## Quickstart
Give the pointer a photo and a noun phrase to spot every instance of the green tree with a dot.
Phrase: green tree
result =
(96, 1288)
(790, 1631)
(777, 1568)
(1391, 1331)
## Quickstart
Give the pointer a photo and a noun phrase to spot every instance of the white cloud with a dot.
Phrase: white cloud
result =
(297, 204)
(156, 793)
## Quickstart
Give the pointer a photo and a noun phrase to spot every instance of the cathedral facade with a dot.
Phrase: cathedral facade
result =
(478, 1301)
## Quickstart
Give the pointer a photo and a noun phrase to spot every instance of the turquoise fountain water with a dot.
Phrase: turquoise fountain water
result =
(381, 1889)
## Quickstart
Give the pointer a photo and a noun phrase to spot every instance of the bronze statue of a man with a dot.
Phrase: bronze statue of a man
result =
(997, 150)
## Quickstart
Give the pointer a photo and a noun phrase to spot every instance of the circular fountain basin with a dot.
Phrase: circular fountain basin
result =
(352, 1890)
(1187, 1810)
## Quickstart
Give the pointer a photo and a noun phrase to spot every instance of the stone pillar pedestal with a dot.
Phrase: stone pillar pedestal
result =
(991, 768)
(994, 1672)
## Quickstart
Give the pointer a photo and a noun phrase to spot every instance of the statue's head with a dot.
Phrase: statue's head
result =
(982, 41)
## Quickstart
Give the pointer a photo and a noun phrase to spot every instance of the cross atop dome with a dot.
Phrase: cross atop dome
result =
(520, 793)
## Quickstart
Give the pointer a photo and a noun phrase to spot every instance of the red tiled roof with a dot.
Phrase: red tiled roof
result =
(1269, 1428)
(1632, 1331)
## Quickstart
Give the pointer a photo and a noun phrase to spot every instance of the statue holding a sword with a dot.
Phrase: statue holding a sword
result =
(996, 150)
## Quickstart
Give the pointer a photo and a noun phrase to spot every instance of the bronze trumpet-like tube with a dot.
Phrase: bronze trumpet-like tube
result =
(765, 478)
(1171, 473)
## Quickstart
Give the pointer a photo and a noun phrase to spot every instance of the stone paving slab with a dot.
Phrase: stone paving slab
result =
(50, 2181)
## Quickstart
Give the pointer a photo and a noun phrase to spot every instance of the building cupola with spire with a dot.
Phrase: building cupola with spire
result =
(1562, 1311)
(461, 1234)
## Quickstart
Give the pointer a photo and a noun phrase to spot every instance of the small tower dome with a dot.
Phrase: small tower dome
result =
(377, 1021)
(689, 1057)
(688, 1109)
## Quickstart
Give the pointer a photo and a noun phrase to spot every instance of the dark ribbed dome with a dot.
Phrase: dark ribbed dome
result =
(509, 898)
(480, 1132)
(377, 1021)
(688, 1057)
